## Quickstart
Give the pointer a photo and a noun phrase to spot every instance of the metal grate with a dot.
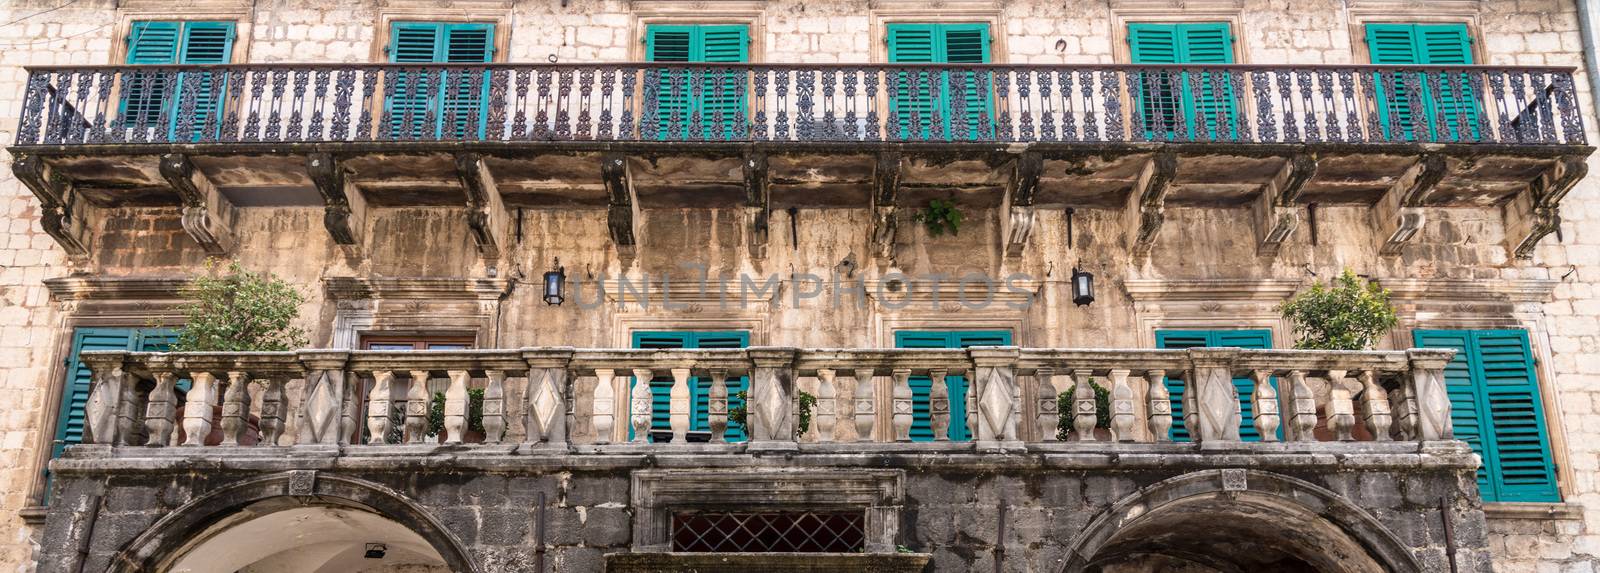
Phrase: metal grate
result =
(769, 532)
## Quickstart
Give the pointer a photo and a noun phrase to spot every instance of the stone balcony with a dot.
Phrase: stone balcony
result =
(1132, 140)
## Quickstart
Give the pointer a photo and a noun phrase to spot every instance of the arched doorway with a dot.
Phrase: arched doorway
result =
(1237, 521)
(299, 521)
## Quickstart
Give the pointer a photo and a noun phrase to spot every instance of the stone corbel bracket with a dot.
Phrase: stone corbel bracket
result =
(1398, 215)
(623, 205)
(758, 201)
(1274, 211)
(486, 211)
(885, 198)
(345, 207)
(64, 217)
(208, 215)
(1019, 215)
(1146, 209)
(1535, 211)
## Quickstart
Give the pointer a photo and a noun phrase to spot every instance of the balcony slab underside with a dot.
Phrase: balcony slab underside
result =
(815, 175)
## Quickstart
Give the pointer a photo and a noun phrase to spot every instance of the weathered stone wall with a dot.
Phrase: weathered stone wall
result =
(1196, 242)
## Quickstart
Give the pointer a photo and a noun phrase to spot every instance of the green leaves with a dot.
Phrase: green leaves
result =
(240, 311)
(940, 216)
(1066, 412)
(1350, 314)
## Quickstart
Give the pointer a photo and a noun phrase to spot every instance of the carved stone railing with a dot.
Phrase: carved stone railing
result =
(316, 103)
(586, 400)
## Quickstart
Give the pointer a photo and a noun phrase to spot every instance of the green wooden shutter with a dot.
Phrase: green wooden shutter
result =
(722, 101)
(145, 94)
(699, 390)
(1424, 44)
(75, 391)
(913, 102)
(1181, 339)
(921, 423)
(465, 109)
(409, 43)
(1496, 407)
(1168, 99)
(439, 103)
(204, 43)
(718, 112)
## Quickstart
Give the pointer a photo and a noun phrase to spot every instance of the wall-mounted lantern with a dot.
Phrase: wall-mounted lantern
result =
(554, 281)
(1082, 287)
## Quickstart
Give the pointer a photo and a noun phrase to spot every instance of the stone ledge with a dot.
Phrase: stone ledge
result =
(767, 562)
(1532, 510)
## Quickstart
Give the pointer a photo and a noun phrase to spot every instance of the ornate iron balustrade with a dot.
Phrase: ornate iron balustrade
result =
(582, 400)
(315, 103)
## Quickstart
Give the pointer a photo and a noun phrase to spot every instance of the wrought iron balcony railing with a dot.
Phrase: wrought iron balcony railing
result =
(609, 400)
(312, 103)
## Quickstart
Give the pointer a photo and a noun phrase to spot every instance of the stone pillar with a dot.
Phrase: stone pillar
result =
(325, 391)
(545, 409)
(1264, 402)
(1122, 419)
(494, 406)
(678, 412)
(161, 411)
(1428, 392)
(197, 408)
(1302, 409)
(235, 407)
(643, 405)
(1216, 412)
(1405, 411)
(604, 404)
(902, 413)
(1047, 404)
(995, 384)
(770, 408)
(456, 403)
(1341, 408)
(273, 404)
(828, 405)
(1160, 409)
(101, 413)
(1085, 413)
(717, 406)
(418, 403)
(866, 413)
(938, 405)
(1375, 407)
(378, 407)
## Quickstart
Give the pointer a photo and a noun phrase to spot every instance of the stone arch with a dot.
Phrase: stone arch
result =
(1190, 518)
(170, 536)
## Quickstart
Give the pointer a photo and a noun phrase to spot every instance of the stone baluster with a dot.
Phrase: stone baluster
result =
(325, 391)
(971, 414)
(605, 404)
(1215, 410)
(160, 413)
(643, 406)
(770, 408)
(1432, 418)
(901, 407)
(1160, 410)
(1405, 412)
(1341, 408)
(418, 404)
(545, 407)
(995, 385)
(349, 407)
(1375, 406)
(379, 407)
(273, 405)
(717, 406)
(105, 397)
(494, 406)
(197, 408)
(456, 402)
(1085, 413)
(235, 407)
(866, 404)
(1302, 409)
(938, 405)
(129, 429)
(678, 412)
(1122, 419)
(1264, 402)
(1048, 404)
(827, 405)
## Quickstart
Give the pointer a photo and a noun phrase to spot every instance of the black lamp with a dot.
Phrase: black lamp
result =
(553, 283)
(1082, 287)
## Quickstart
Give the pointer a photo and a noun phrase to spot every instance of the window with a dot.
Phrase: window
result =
(151, 100)
(923, 104)
(75, 389)
(1440, 93)
(1169, 100)
(1495, 407)
(444, 103)
(699, 390)
(717, 109)
(921, 428)
(1254, 339)
(417, 342)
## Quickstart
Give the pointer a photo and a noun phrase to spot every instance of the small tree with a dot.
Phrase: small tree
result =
(1349, 314)
(240, 311)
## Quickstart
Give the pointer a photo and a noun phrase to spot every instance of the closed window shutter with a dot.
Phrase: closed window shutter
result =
(429, 103)
(412, 43)
(1158, 92)
(722, 103)
(912, 102)
(145, 94)
(699, 389)
(75, 392)
(1423, 44)
(1169, 99)
(1181, 339)
(919, 113)
(466, 95)
(1209, 43)
(204, 43)
(1495, 407)
(969, 44)
(717, 112)
(921, 422)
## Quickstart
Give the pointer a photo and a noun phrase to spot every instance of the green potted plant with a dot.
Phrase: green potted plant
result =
(474, 433)
(1348, 314)
(1102, 408)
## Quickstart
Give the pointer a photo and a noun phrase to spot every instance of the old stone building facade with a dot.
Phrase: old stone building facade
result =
(772, 207)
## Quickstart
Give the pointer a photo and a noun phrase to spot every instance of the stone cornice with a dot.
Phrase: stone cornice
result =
(431, 288)
(950, 292)
(79, 288)
(1471, 290)
(1152, 290)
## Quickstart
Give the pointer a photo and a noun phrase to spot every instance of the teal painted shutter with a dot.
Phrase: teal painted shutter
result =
(430, 103)
(1496, 407)
(968, 44)
(718, 111)
(672, 101)
(921, 424)
(661, 385)
(913, 103)
(1180, 339)
(145, 94)
(203, 43)
(1423, 44)
(465, 109)
(1167, 99)
(75, 392)
(699, 390)
(722, 101)
(412, 43)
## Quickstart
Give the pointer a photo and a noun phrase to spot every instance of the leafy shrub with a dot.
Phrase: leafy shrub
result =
(1346, 315)
(1102, 407)
(240, 311)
